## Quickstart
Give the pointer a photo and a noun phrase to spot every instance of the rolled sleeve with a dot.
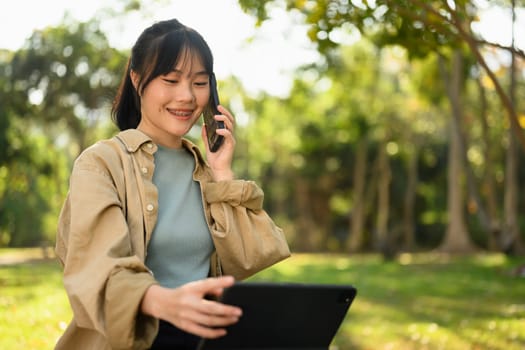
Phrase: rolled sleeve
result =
(235, 193)
(245, 237)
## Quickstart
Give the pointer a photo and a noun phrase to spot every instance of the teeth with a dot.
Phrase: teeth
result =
(181, 114)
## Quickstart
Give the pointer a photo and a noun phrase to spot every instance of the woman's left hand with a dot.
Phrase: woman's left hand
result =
(221, 160)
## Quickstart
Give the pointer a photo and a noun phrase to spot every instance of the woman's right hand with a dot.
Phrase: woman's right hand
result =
(221, 161)
(187, 308)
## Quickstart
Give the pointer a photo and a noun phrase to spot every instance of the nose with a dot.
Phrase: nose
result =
(185, 92)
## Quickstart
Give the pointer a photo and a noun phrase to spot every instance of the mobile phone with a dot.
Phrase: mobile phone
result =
(214, 140)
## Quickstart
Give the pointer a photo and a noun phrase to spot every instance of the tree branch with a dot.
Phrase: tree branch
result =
(472, 43)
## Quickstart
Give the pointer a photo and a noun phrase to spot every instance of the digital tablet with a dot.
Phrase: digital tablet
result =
(279, 316)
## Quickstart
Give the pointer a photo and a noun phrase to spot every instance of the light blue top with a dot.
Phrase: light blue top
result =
(180, 247)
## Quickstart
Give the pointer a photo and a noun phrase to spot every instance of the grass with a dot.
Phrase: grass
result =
(34, 310)
(422, 301)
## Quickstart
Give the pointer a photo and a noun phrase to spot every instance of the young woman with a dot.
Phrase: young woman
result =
(149, 229)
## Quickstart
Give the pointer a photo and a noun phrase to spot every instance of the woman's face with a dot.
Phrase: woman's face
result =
(172, 103)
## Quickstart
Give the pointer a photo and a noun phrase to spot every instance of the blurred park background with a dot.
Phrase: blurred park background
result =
(394, 139)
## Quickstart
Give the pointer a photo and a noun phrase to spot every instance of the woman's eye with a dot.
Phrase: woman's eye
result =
(170, 81)
(201, 83)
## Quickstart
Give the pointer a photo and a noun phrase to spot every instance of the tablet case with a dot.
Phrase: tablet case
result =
(283, 316)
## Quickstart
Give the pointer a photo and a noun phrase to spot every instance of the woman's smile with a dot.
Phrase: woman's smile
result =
(181, 114)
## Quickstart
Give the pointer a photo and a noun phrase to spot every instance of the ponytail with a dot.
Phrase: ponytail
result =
(125, 112)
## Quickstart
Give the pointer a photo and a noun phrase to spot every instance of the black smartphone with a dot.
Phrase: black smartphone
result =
(214, 140)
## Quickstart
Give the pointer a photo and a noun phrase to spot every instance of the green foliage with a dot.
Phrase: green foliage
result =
(67, 75)
(399, 102)
(422, 27)
(256, 8)
(29, 191)
(55, 93)
(5, 119)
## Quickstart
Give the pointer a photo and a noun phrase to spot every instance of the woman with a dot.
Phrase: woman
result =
(149, 229)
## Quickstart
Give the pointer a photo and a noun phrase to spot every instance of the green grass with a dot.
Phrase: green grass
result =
(421, 301)
(34, 310)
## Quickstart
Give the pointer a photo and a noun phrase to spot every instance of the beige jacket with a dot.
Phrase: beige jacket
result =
(105, 226)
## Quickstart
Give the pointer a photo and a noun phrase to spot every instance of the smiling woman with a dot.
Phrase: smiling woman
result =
(152, 225)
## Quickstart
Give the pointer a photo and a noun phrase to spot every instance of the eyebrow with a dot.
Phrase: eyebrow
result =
(203, 72)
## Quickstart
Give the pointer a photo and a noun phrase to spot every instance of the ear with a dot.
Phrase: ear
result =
(134, 79)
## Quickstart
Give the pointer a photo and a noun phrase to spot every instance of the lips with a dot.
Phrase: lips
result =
(181, 113)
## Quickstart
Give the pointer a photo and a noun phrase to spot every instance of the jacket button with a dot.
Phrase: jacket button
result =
(144, 170)
(149, 207)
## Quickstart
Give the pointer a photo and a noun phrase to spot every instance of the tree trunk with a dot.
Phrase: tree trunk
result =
(385, 243)
(321, 193)
(304, 239)
(488, 184)
(409, 201)
(357, 214)
(457, 239)
(512, 237)
(475, 204)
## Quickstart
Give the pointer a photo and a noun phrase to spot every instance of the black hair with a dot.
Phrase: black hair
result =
(156, 52)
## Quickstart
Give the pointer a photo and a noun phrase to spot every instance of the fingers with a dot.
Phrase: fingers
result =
(193, 313)
(208, 323)
(205, 332)
(210, 320)
(216, 311)
(212, 285)
(229, 124)
(226, 117)
(213, 314)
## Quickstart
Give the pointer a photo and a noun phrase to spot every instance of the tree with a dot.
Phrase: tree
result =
(419, 25)
(457, 239)
(422, 27)
(67, 75)
(54, 90)
(511, 240)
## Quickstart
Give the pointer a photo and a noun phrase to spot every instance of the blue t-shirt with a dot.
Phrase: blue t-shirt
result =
(180, 247)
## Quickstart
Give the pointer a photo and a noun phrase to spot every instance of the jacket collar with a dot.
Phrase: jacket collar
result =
(194, 150)
(133, 139)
